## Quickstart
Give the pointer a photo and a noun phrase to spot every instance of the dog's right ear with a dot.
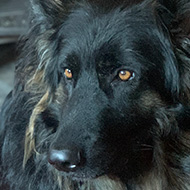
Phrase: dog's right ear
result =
(175, 17)
(50, 12)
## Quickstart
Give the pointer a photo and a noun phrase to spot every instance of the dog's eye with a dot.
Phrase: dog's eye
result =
(68, 73)
(125, 75)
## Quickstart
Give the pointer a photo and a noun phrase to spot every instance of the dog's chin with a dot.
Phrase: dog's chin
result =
(80, 176)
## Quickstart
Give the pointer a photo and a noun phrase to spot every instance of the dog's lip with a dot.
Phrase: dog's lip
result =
(79, 175)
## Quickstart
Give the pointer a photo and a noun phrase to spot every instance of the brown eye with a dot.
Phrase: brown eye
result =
(68, 73)
(125, 75)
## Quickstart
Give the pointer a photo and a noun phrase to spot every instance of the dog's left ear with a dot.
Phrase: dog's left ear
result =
(50, 12)
(175, 18)
(175, 14)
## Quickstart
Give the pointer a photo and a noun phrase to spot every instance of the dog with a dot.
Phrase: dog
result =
(101, 98)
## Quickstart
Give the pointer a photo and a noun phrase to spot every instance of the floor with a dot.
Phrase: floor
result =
(12, 5)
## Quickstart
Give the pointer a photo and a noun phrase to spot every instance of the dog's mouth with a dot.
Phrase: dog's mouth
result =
(79, 175)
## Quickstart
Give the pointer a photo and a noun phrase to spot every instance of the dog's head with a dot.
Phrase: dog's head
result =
(111, 68)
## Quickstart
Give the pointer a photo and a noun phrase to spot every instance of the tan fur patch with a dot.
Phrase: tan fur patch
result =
(150, 99)
(57, 2)
(29, 136)
(106, 183)
(36, 83)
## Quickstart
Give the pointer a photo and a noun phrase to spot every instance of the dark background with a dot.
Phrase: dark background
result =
(13, 24)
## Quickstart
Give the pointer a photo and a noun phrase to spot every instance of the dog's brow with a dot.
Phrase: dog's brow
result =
(72, 61)
(108, 57)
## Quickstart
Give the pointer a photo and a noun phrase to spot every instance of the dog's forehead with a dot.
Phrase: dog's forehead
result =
(87, 34)
(94, 28)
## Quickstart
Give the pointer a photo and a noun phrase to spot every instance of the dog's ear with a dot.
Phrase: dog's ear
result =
(44, 19)
(175, 18)
(50, 12)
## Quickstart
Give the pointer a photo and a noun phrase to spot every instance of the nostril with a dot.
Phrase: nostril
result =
(66, 160)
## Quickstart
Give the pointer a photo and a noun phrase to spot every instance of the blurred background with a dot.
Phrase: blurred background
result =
(13, 14)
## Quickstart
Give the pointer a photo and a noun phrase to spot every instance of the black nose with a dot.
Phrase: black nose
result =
(66, 160)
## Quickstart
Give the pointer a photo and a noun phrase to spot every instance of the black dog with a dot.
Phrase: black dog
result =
(101, 98)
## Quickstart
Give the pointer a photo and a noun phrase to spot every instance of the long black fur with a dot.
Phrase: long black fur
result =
(134, 134)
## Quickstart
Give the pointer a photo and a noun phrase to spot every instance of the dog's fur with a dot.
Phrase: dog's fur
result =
(135, 134)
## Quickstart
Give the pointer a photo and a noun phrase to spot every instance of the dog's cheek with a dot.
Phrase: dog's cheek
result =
(149, 101)
(128, 146)
(45, 130)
